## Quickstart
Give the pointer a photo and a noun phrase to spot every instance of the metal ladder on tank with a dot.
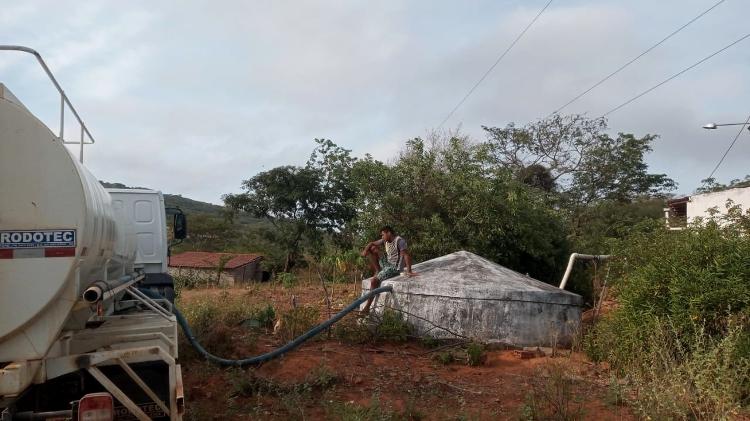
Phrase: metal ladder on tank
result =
(86, 138)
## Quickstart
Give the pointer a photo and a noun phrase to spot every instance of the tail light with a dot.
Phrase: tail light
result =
(96, 407)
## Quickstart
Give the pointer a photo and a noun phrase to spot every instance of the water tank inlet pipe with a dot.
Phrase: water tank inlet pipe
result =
(578, 256)
(278, 351)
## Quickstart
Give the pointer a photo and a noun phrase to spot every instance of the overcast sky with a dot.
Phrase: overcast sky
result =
(191, 97)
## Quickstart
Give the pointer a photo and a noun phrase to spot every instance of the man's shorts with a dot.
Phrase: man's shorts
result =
(387, 271)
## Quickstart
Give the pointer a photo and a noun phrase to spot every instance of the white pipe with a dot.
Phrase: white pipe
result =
(572, 260)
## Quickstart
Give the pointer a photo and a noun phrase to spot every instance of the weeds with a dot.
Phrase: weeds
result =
(704, 381)
(214, 321)
(247, 383)
(444, 358)
(393, 327)
(680, 334)
(350, 331)
(615, 395)
(287, 279)
(551, 396)
(298, 321)
(350, 411)
(475, 354)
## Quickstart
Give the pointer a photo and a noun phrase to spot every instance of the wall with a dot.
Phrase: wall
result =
(700, 203)
(207, 276)
(251, 272)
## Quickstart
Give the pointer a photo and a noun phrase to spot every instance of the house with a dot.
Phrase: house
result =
(217, 268)
(679, 212)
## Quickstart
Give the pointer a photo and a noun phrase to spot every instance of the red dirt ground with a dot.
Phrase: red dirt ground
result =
(404, 379)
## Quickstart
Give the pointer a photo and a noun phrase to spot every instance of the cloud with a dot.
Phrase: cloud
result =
(191, 98)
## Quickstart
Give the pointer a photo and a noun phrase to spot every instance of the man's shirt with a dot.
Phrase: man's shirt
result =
(393, 251)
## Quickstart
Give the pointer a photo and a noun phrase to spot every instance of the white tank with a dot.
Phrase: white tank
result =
(58, 233)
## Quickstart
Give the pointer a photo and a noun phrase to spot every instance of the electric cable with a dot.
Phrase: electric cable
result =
(507, 50)
(676, 75)
(730, 147)
(621, 68)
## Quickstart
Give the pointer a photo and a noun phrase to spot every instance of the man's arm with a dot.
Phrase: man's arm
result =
(370, 244)
(407, 259)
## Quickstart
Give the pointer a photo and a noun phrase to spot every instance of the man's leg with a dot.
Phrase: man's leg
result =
(373, 257)
(374, 283)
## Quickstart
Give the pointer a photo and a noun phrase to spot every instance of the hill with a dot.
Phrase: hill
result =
(189, 206)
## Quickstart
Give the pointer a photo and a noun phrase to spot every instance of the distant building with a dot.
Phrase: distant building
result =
(204, 267)
(682, 211)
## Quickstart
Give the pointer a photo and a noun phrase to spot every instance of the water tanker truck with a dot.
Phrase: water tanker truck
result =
(80, 336)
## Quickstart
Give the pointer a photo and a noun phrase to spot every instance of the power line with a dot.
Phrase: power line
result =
(507, 50)
(621, 68)
(730, 147)
(675, 76)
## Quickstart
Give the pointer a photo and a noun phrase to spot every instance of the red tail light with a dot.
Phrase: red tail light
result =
(96, 407)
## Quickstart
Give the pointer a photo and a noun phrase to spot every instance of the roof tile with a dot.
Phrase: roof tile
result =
(208, 260)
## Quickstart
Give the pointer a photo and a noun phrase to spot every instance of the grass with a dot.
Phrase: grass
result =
(375, 411)
(392, 327)
(444, 358)
(214, 322)
(350, 331)
(298, 321)
(680, 336)
(706, 380)
(552, 396)
(475, 354)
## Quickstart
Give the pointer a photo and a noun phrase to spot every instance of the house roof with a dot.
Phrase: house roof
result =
(678, 201)
(208, 260)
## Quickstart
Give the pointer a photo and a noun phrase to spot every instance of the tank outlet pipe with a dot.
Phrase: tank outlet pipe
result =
(578, 256)
(102, 291)
(276, 352)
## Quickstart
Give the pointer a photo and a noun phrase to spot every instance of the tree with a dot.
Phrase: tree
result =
(210, 233)
(301, 202)
(600, 183)
(585, 164)
(445, 197)
(710, 185)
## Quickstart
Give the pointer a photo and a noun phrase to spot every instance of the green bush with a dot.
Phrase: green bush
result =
(703, 380)
(475, 354)
(681, 332)
(287, 279)
(393, 327)
(350, 330)
(552, 396)
(697, 279)
(376, 411)
(444, 358)
(298, 321)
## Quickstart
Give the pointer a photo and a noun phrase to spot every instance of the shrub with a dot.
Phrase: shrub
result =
(321, 377)
(551, 396)
(266, 316)
(354, 412)
(444, 358)
(705, 380)
(475, 354)
(393, 327)
(350, 331)
(298, 321)
(681, 331)
(287, 279)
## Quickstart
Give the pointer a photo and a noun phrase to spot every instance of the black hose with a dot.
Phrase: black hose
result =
(276, 352)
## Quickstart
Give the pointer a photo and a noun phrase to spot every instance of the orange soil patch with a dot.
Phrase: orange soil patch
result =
(403, 378)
